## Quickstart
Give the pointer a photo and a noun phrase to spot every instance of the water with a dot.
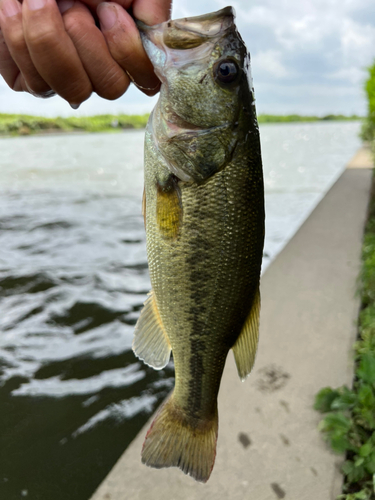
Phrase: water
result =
(73, 278)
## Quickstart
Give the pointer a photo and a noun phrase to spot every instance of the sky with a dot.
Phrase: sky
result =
(308, 57)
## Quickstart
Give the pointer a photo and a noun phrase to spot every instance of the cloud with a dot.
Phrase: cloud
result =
(133, 102)
(310, 98)
(320, 49)
(306, 55)
(269, 63)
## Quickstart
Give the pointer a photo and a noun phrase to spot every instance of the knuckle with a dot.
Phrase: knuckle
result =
(40, 88)
(112, 86)
(78, 93)
(71, 25)
(16, 41)
(124, 59)
(79, 24)
(13, 82)
(151, 92)
(111, 94)
(41, 38)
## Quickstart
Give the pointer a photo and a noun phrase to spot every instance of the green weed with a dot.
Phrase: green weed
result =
(299, 118)
(349, 422)
(368, 127)
(27, 125)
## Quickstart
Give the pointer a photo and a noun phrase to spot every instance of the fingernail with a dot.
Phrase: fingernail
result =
(107, 16)
(65, 5)
(36, 4)
(10, 8)
(74, 106)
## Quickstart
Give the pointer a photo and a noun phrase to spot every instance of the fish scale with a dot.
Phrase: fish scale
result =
(204, 219)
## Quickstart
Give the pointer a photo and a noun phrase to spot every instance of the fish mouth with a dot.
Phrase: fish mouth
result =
(184, 34)
(189, 32)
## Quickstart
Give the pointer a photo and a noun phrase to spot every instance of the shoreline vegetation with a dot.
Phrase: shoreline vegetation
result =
(24, 125)
(349, 422)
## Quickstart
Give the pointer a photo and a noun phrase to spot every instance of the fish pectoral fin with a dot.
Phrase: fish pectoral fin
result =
(245, 348)
(169, 208)
(151, 343)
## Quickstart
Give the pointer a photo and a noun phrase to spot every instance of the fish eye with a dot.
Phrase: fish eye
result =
(226, 71)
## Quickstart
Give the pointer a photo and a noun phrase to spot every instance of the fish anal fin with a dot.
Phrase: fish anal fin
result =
(151, 343)
(175, 440)
(245, 348)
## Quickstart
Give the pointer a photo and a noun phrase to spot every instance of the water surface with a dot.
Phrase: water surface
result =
(73, 278)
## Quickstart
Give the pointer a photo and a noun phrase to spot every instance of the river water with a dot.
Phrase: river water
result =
(73, 278)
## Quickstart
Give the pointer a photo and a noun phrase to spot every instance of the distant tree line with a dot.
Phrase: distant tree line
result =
(12, 124)
(27, 124)
(303, 118)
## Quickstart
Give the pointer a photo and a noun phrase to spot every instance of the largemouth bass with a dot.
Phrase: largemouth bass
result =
(204, 215)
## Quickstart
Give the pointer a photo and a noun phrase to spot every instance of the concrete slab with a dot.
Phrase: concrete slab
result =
(269, 447)
(362, 159)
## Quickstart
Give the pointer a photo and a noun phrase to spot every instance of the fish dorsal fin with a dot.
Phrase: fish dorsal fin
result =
(245, 348)
(151, 343)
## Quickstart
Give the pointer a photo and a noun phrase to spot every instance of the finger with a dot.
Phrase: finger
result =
(150, 12)
(125, 46)
(154, 12)
(8, 68)
(107, 77)
(17, 67)
(53, 52)
(93, 4)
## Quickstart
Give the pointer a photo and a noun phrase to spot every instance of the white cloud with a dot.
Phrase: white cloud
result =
(351, 74)
(133, 102)
(323, 45)
(269, 62)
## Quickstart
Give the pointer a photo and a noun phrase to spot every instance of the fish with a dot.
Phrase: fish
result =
(203, 208)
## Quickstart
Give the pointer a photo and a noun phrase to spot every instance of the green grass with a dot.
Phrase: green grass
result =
(368, 128)
(349, 422)
(301, 118)
(27, 124)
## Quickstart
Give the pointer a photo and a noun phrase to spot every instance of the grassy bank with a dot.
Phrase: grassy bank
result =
(349, 422)
(301, 118)
(368, 128)
(26, 124)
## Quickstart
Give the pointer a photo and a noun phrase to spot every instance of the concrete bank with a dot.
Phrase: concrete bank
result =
(269, 447)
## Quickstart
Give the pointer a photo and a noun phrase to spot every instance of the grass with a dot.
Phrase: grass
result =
(349, 422)
(300, 118)
(27, 124)
(368, 128)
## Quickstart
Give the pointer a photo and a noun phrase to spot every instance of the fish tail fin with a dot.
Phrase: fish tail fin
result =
(177, 441)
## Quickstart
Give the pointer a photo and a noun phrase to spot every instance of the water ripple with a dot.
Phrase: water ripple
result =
(73, 278)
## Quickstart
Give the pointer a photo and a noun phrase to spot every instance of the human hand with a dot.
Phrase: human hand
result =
(48, 47)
